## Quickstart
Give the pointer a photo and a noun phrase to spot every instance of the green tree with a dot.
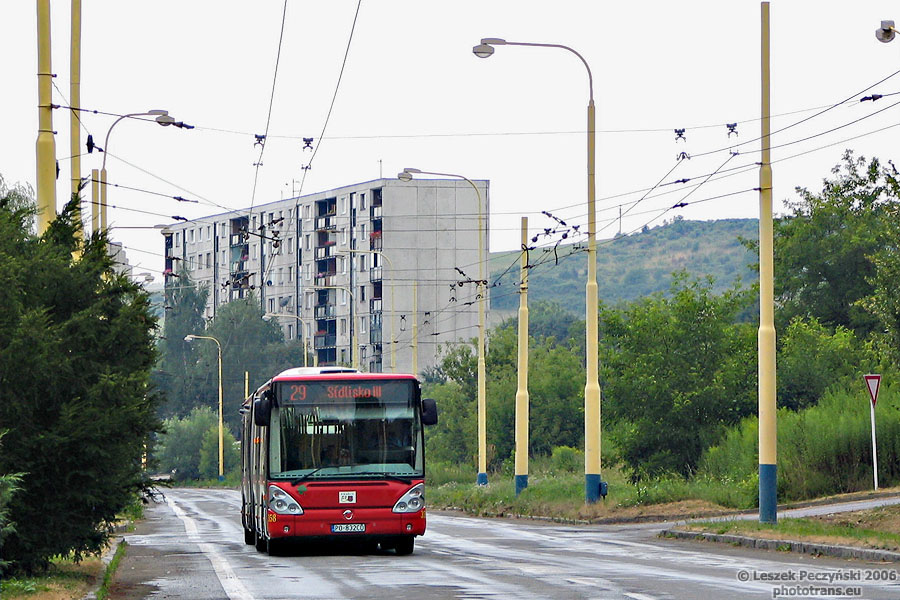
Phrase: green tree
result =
(209, 453)
(250, 345)
(9, 485)
(823, 250)
(185, 302)
(676, 369)
(178, 449)
(76, 351)
(811, 359)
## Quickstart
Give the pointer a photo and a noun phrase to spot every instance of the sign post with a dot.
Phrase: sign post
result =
(873, 382)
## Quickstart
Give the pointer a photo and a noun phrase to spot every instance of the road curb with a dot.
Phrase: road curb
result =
(106, 558)
(786, 545)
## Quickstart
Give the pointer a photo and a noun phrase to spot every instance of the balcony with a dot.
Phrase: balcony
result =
(325, 341)
(375, 274)
(237, 239)
(326, 252)
(375, 305)
(325, 311)
(326, 223)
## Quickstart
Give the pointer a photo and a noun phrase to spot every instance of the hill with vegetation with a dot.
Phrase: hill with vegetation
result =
(631, 266)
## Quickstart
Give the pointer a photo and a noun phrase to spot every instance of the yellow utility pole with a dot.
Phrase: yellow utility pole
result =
(303, 337)
(45, 146)
(768, 496)
(75, 101)
(522, 371)
(594, 486)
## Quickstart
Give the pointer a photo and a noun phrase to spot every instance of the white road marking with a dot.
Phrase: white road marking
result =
(233, 587)
(640, 596)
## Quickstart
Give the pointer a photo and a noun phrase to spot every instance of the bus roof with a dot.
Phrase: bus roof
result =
(334, 373)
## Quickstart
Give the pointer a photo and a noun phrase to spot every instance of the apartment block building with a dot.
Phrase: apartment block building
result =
(364, 275)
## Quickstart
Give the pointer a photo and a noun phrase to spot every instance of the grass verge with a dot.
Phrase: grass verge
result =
(110, 572)
(876, 528)
(64, 580)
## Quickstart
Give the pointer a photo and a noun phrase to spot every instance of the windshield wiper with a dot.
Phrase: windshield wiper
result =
(392, 476)
(310, 474)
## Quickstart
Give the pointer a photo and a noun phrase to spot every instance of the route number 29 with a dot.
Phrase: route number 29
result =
(298, 393)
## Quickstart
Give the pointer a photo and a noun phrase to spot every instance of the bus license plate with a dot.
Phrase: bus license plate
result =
(348, 528)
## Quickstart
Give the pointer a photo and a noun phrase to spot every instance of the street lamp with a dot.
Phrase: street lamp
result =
(189, 338)
(305, 338)
(886, 32)
(481, 478)
(594, 486)
(163, 118)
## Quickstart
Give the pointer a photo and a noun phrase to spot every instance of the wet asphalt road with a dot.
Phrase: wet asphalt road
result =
(192, 547)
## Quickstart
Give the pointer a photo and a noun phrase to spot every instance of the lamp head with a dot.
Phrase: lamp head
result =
(157, 111)
(886, 32)
(189, 338)
(407, 174)
(165, 120)
(486, 47)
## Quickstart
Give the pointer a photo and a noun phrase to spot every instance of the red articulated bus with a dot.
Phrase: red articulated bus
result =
(333, 453)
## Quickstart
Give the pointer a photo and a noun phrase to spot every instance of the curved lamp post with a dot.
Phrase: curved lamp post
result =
(481, 478)
(189, 338)
(593, 484)
(162, 117)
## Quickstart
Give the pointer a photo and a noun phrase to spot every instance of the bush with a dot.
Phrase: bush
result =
(209, 453)
(566, 459)
(825, 449)
(179, 447)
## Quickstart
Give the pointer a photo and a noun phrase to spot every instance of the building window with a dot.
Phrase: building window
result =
(361, 296)
(344, 205)
(362, 263)
(271, 305)
(191, 235)
(290, 332)
(343, 326)
(209, 260)
(362, 201)
(343, 261)
(343, 297)
(362, 324)
(253, 252)
(309, 298)
(307, 268)
(290, 245)
(177, 239)
(209, 232)
(343, 236)
(307, 241)
(290, 274)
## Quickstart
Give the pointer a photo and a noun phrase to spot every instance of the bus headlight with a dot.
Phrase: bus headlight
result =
(412, 501)
(282, 503)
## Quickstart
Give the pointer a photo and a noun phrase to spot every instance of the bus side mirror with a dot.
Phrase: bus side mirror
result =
(262, 410)
(429, 412)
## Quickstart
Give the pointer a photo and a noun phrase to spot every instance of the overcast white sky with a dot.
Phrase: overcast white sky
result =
(413, 94)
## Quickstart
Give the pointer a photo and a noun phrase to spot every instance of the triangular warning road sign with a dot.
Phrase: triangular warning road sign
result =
(873, 382)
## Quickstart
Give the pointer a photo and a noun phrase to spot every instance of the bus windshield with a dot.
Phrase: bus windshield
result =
(357, 428)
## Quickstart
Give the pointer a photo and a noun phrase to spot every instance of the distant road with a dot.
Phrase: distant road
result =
(192, 547)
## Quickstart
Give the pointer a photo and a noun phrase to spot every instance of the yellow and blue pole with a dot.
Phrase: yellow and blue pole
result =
(768, 487)
(45, 146)
(522, 388)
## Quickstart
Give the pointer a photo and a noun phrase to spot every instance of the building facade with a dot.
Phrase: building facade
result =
(367, 275)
